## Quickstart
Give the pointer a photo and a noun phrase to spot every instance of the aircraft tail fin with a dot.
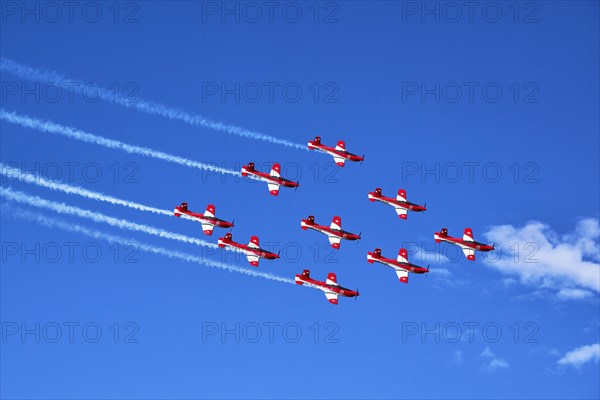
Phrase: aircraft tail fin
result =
(440, 235)
(179, 209)
(374, 194)
(226, 239)
(315, 142)
(376, 254)
(247, 168)
(308, 221)
(305, 275)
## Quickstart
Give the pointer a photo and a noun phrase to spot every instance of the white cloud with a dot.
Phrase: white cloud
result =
(568, 264)
(498, 363)
(425, 256)
(442, 278)
(574, 294)
(457, 357)
(493, 362)
(581, 355)
(441, 272)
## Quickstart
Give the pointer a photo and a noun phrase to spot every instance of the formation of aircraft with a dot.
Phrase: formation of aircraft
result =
(334, 232)
(467, 243)
(400, 204)
(208, 219)
(252, 250)
(330, 287)
(339, 153)
(273, 179)
(400, 264)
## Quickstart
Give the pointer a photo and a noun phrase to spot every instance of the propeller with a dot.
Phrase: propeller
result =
(357, 294)
(363, 159)
(232, 225)
(425, 207)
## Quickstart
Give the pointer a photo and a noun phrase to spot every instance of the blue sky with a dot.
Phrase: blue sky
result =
(384, 78)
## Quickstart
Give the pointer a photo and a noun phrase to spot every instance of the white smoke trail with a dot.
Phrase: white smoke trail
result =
(173, 254)
(51, 127)
(62, 208)
(26, 177)
(107, 95)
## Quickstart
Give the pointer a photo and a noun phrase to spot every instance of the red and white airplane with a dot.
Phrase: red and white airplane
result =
(330, 287)
(273, 179)
(401, 264)
(400, 204)
(339, 153)
(467, 243)
(208, 219)
(334, 232)
(252, 250)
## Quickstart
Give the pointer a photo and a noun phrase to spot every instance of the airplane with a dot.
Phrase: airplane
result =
(401, 264)
(252, 250)
(339, 153)
(467, 243)
(334, 232)
(399, 203)
(208, 219)
(274, 179)
(330, 286)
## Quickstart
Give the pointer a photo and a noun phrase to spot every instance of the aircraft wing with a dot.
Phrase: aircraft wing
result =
(469, 253)
(339, 160)
(401, 212)
(402, 256)
(273, 188)
(334, 241)
(253, 259)
(331, 297)
(336, 223)
(402, 275)
(331, 279)
(276, 170)
(468, 235)
(401, 196)
(254, 242)
(210, 211)
(207, 228)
